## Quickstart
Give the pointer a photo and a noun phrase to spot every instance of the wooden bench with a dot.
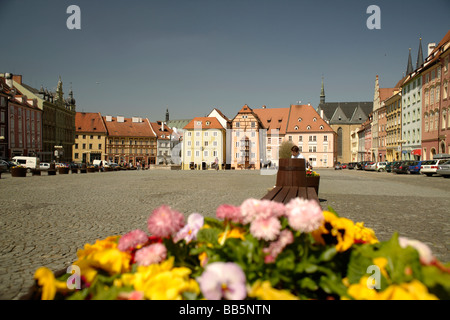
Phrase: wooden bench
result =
(291, 183)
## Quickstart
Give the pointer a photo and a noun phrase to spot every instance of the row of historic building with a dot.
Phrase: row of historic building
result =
(411, 120)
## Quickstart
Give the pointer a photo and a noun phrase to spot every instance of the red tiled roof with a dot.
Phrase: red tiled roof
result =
(156, 126)
(307, 114)
(273, 118)
(89, 122)
(128, 128)
(213, 123)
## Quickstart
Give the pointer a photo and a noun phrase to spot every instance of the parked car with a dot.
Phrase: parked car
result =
(370, 166)
(401, 167)
(414, 167)
(360, 165)
(381, 166)
(344, 166)
(444, 169)
(3, 166)
(44, 166)
(338, 166)
(351, 165)
(60, 165)
(430, 167)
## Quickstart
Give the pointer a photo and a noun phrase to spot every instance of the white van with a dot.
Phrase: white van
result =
(31, 163)
(104, 163)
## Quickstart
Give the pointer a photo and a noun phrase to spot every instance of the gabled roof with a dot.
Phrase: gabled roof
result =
(128, 128)
(386, 93)
(205, 123)
(89, 122)
(221, 114)
(302, 116)
(157, 128)
(347, 109)
(273, 118)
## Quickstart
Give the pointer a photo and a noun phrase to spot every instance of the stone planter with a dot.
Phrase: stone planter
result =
(83, 170)
(74, 170)
(63, 170)
(313, 182)
(92, 170)
(18, 172)
(36, 172)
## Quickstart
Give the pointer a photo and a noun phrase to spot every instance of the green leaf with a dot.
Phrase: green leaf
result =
(328, 254)
(79, 294)
(308, 283)
(437, 281)
(213, 223)
(209, 235)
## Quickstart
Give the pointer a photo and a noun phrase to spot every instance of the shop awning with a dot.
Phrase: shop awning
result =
(417, 152)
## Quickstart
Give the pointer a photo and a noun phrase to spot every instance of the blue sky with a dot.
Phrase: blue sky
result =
(137, 58)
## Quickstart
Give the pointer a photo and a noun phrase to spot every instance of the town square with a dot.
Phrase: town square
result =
(225, 150)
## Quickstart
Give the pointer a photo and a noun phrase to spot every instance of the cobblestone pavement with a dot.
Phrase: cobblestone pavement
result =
(46, 219)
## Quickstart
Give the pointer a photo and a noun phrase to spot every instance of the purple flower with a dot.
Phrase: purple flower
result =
(223, 280)
(132, 239)
(190, 230)
(154, 253)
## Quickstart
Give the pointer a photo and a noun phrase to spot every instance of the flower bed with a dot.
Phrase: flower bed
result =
(259, 250)
(18, 171)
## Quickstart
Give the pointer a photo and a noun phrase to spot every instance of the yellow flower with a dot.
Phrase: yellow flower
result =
(335, 230)
(264, 291)
(361, 291)
(46, 280)
(364, 235)
(236, 232)
(381, 263)
(414, 290)
(161, 281)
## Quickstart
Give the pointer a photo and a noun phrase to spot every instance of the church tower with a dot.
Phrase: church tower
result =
(322, 94)
(419, 55)
(409, 67)
(167, 115)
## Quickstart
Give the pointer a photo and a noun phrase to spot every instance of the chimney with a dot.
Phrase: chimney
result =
(431, 47)
(162, 126)
(108, 118)
(120, 119)
(18, 79)
(263, 106)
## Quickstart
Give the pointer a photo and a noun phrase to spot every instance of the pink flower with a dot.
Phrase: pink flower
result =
(132, 239)
(134, 295)
(425, 254)
(154, 253)
(304, 215)
(164, 222)
(252, 209)
(267, 229)
(229, 212)
(275, 248)
(190, 230)
(223, 280)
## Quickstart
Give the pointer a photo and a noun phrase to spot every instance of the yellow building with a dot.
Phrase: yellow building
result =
(90, 138)
(394, 126)
(204, 140)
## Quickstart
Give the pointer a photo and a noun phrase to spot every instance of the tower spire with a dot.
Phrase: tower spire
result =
(322, 93)
(409, 68)
(419, 55)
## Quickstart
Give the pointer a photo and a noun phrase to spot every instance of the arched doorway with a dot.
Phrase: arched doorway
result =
(432, 153)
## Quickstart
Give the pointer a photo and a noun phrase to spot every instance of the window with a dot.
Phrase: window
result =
(84, 136)
(290, 138)
(299, 119)
(237, 144)
(308, 128)
(76, 155)
(445, 95)
(76, 145)
(253, 124)
(215, 133)
(189, 134)
(238, 125)
(197, 143)
(197, 153)
(99, 145)
(300, 138)
(321, 127)
(206, 143)
(188, 153)
(314, 119)
(312, 148)
(84, 145)
(205, 153)
(325, 138)
(206, 134)
(189, 143)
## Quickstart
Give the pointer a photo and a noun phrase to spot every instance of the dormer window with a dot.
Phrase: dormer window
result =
(314, 119)
(321, 127)
(299, 119)
(199, 123)
(296, 128)
(208, 123)
(308, 128)
(163, 136)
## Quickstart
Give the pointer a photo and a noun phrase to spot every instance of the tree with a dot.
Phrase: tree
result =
(285, 149)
